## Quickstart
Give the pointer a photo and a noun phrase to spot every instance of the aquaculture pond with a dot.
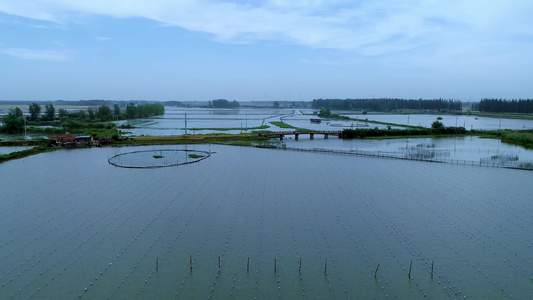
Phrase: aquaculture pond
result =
(176, 120)
(469, 122)
(205, 120)
(7, 150)
(471, 149)
(250, 223)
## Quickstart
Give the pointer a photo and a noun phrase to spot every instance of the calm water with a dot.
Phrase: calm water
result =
(7, 150)
(470, 148)
(98, 231)
(469, 122)
(204, 121)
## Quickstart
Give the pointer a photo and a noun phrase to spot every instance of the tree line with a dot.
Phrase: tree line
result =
(223, 103)
(437, 128)
(386, 104)
(503, 105)
(14, 120)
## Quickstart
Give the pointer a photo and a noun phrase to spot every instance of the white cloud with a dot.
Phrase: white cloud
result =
(366, 26)
(33, 54)
(103, 38)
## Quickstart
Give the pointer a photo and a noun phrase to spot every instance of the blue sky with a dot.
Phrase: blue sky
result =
(265, 50)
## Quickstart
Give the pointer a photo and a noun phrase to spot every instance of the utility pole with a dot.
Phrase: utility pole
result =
(185, 123)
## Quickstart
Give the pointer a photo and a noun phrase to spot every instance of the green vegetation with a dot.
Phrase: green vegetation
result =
(43, 147)
(505, 106)
(437, 124)
(282, 125)
(228, 129)
(385, 105)
(519, 138)
(518, 116)
(195, 156)
(223, 103)
(384, 123)
(375, 132)
(140, 111)
(35, 110)
(248, 139)
(158, 156)
(94, 122)
(13, 121)
(326, 113)
(49, 113)
(268, 146)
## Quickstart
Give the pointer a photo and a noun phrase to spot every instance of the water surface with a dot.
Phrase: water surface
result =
(97, 231)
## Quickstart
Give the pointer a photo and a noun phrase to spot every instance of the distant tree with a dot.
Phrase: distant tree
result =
(35, 110)
(276, 104)
(116, 109)
(13, 121)
(104, 113)
(324, 113)
(49, 111)
(130, 111)
(210, 104)
(437, 125)
(15, 112)
(82, 115)
(223, 103)
(63, 113)
(385, 104)
(90, 112)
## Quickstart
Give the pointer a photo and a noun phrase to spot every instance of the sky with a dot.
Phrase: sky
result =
(265, 50)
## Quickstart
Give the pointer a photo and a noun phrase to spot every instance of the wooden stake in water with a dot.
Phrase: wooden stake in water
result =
(248, 266)
(190, 261)
(219, 263)
(432, 269)
(157, 263)
(410, 267)
(275, 267)
(326, 267)
(300, 267)
(377, 268)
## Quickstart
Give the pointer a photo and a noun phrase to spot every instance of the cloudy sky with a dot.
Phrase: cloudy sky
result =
(265, 49)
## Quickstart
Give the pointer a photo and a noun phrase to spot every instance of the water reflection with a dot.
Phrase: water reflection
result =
(470, 148)
(468, 122)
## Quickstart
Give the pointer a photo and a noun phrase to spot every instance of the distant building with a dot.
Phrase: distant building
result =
(64, 139)
(69, 140)
(316, 121)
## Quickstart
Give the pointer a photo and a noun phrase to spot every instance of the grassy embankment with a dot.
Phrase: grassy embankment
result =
(499, 115)
(232, 139)
(24, 153)
(262, 127)
(288, 126)
(518, 138)
(382, 123)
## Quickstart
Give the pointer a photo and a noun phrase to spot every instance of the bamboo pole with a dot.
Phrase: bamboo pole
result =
(326, 267)
(432, 269)
(410, 267)
(248, 266)
(377, 268)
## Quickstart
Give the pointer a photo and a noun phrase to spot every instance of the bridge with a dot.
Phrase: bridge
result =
(281, 134)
